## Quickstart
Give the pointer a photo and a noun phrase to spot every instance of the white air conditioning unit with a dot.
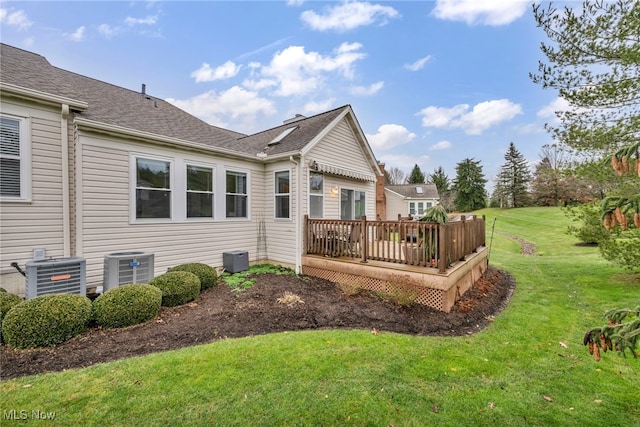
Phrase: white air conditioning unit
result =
(56, 276)
(127, 267)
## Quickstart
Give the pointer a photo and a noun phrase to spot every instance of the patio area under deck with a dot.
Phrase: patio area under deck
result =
(427, 263)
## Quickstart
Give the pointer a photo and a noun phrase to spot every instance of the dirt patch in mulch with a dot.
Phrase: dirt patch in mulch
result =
(276, 303)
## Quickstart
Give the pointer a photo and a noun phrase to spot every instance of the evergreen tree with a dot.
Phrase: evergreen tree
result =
(594, 64)
(469, 186)
(443, 184)
(416, 176)
(441, 181)
(514, 179)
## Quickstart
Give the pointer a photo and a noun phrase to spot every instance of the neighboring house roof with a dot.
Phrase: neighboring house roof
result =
(415, 191)
(123, 108)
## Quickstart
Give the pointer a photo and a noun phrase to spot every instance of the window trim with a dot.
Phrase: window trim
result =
(353, 192)
(319, 195)
(133, 200)
(25, 161)
(277, 195)
(213, 192)
(247, 175)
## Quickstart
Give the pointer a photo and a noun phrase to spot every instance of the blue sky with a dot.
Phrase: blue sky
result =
(431, 82)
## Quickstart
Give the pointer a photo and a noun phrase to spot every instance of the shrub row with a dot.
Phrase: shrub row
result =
(49, 320)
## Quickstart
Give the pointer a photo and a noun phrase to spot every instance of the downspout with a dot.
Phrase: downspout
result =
(298, 213)
(66, 209)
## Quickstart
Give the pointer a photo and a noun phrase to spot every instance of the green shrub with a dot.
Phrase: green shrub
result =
(586, 223)
(208, 275)
(178, 287)
(46, 320)
(3, 290)
(7, 302)
(127, 305)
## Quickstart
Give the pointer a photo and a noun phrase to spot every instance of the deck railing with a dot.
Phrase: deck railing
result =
(403, 241)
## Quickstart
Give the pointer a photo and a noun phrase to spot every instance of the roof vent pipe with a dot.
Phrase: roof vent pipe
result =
(144, 89)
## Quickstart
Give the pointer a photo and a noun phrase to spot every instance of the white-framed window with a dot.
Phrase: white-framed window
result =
(153, 188)
(412, 208)
(283, 194)
(352, 204)
(236, 195)
(15, 160)
(200, 191)
(316, 195)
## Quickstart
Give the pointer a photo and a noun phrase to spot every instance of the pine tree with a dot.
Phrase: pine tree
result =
(594, 64)
(469, 186)
(443, 184)
(514, 179)
(416, 176)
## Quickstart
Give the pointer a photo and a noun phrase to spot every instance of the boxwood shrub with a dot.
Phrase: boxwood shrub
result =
(127, 305)
(7, 302)
(178, 287)
(46, 320)
(208, 275)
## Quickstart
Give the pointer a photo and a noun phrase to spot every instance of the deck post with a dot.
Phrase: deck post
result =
(364, 239)
(442, 248)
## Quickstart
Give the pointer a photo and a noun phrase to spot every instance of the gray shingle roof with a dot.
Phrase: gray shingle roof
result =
(113, 105)
(429, 191)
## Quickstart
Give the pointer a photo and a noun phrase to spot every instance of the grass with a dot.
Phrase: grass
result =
(528, 368)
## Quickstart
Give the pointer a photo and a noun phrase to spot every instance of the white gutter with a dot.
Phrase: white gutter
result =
(167, 140)
(37, 95)
(298, 213)
(66, 213)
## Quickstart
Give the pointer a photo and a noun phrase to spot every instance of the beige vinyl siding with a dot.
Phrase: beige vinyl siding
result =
(38, 223)
(281, 233)
(340, 147)
(396, 205)
(106, 226)
(342, 140)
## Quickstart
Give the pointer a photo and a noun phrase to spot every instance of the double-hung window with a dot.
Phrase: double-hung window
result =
(14, 159)
(316, 195)
(283, 194)
(352, 204)
(236, 195)
(153, 188)
(200, 193)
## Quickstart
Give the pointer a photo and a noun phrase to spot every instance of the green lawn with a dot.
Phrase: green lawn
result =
(528, 368)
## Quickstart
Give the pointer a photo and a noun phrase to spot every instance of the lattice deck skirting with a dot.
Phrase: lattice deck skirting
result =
(420, 285)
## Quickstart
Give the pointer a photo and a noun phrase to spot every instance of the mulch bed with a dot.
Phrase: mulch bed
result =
(276, 303)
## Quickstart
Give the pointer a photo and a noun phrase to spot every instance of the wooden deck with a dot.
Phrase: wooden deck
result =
(423, 285)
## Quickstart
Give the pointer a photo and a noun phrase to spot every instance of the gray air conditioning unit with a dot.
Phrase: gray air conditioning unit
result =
(56, 276)
(127, 267)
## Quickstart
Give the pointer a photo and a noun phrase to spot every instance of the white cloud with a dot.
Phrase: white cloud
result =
(348, 16)
(418, 65)
(549, 110)
(389, 136)
(366, 90)
(439, 117)
(206, 74)
(296, 72)
(294, 2)
(149, 20)
(441, 145)
(235, 105)
(15, 19)
(108, 31)
(483, 116)
(315, 107)
(78, 35)
(485, 12)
